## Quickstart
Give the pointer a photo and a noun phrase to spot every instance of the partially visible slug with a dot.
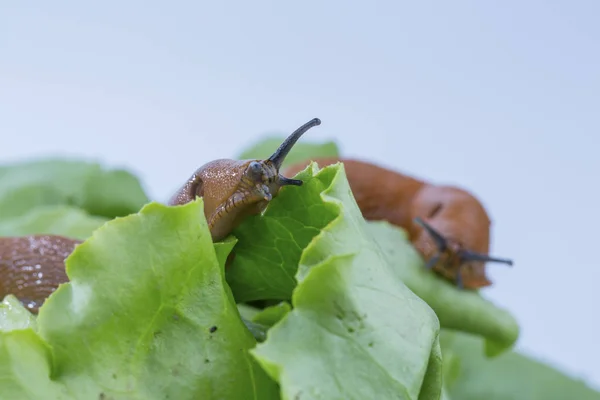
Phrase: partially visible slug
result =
(233, 190)
(32, 267)
(448, 226)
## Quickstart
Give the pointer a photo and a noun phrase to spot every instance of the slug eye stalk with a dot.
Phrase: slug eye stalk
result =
(279, 156)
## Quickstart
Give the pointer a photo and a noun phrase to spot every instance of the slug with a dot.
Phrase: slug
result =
(447, 225)
(32, 267)
(233, 190)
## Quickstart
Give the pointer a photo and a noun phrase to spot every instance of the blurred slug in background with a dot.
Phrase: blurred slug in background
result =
(448, 226)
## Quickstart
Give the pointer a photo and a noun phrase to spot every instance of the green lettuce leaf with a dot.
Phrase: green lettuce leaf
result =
(147, 314)
(113, 193)
(247, 311)
(456, 309)
(445, 395)
(27, 185)
(258, 321)
(356, 331)
(25, 368)
(13, 315)
(472, 376)
(271, 315)
(300, 152)
(61, 220)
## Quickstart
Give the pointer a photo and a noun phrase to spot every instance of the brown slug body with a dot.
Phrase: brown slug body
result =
(448, 226)
(32, 267)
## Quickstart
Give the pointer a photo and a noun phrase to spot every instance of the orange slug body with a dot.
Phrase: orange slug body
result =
(382, 194)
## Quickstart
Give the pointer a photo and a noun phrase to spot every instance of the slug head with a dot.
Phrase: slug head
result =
(243, 188)
(452, 260)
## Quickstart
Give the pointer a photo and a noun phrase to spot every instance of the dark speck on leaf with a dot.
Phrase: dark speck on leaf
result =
(176, 317)
(101, 396)
(114, 376)
(370, 344)
(206, 360)
(212, 329)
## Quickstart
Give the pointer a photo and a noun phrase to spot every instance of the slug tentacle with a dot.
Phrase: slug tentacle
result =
(467, 255)
(279, 156)
(440, 241)
(283, 181)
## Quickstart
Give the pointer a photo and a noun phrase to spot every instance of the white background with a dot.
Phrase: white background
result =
(503, 100)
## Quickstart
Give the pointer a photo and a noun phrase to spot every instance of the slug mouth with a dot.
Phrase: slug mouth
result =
(264, 192)
(453, 254)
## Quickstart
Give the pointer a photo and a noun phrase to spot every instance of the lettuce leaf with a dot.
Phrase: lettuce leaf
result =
(61, 220)
(147, 314)
(456, 309)
(25, 368)
(13, 315)
(107, 193)
(356, 331)
(472, 376)
(269, 316)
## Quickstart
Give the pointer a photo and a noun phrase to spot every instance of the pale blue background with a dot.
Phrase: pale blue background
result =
(503, 99)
